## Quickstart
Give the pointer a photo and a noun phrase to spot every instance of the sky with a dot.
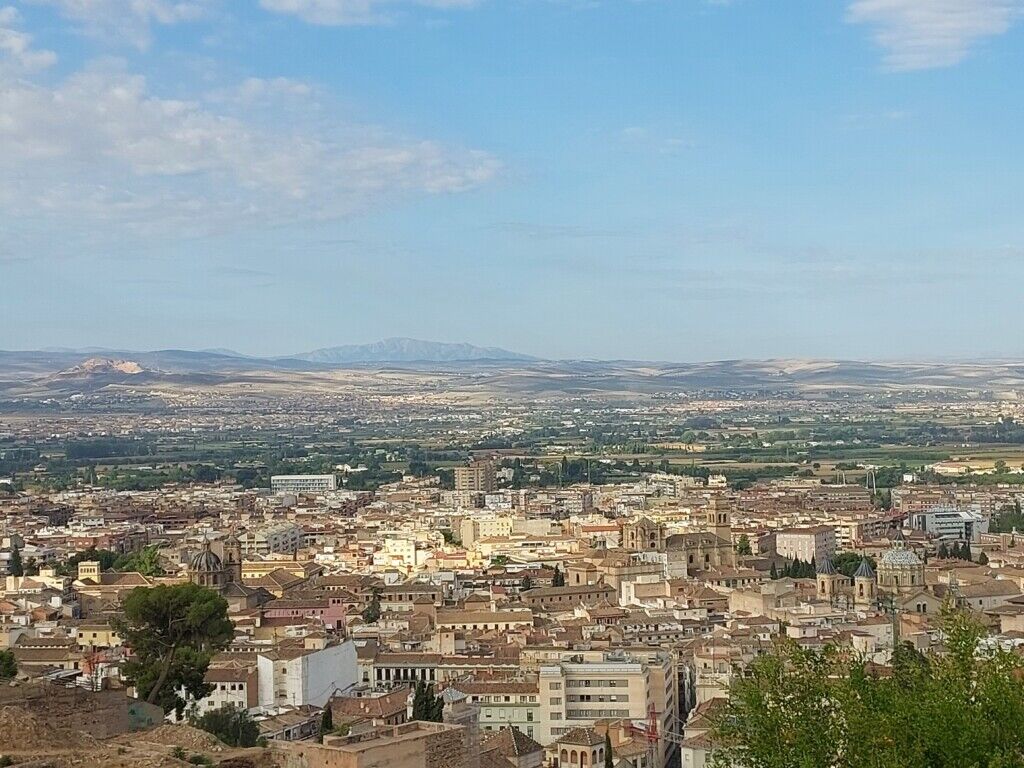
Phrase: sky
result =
(645, 179)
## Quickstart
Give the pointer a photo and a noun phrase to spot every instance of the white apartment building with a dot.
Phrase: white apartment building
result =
(581, 687)
(303, 483)
(277, 538)
(306, 671)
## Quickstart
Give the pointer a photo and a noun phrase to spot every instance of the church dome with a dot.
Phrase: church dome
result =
(864, 570)
(206, 561)
(900, 558)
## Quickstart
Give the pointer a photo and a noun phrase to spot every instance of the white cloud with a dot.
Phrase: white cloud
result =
(16, 51)
(99, 148)
(924, 34)
(130, 20)
(355, 12)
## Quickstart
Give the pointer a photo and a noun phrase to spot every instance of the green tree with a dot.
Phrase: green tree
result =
(418, 697)
(805, 708)
(427, 705)
(326, 721)
(14, 566)
(173, 632)
(743, 545)
(232, 725)
(8, 665)
(526, 582)
(371, 613)
(847, 563)
(436, 705)
(558, 578)
(146, 561)
(609, 761)
(773, 574)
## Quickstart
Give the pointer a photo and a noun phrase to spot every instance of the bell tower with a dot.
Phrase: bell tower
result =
(719, 520)
(864, 585)
(232, 549)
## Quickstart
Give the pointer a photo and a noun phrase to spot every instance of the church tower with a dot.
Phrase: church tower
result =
(719, 521)
(864, 585)
(232, 549)
(830, 581)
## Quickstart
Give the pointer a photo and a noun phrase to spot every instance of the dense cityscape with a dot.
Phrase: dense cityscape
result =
(511, 384)
(394, 571)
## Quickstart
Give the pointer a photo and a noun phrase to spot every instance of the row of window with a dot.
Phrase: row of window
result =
(601, 698)
(487, 699)
(503, 715)
(579, 714)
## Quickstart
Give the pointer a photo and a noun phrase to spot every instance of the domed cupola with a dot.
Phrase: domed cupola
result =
(206, 568)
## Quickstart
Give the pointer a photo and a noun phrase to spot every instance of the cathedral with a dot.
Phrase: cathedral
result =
(687, 552)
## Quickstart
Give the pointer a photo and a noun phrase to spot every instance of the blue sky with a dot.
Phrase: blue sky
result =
(658, 179)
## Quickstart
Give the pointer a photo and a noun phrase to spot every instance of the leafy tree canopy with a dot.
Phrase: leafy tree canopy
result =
(173, 632)
(800, 708)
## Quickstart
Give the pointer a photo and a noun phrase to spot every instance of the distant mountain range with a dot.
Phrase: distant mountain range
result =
(491, 370)
(66, 361)
(400, 350)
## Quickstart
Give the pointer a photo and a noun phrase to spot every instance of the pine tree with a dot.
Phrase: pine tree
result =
(326, 721)
(774, 573)
(418, 698)
(943, 551)
(609, 761)
(558, 579)
(982, 559)
(372, 611)
(967, 551)
(14, 566)
(526, 583)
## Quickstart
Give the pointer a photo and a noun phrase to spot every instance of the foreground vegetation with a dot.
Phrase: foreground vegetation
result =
(798, 708)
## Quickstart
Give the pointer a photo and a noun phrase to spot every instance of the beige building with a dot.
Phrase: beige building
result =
(581, 687)
(477, 477)
(410, 745)
(812, 544)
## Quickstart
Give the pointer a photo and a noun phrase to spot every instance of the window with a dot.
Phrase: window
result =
(555, 701)
(555, 686)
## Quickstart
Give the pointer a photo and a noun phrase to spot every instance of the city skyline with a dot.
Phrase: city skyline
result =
(683, 181)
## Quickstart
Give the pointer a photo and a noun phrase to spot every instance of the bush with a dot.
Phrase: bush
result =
(232, 725)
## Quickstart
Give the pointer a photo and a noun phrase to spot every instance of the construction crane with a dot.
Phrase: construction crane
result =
(654, 734)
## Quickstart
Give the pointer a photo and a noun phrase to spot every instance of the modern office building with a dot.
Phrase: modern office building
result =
(948, 521)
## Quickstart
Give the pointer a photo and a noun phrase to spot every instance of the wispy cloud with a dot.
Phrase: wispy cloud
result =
(128, 20)
(17, 52)
(356, 12)
(925, 34)
(100, 147)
